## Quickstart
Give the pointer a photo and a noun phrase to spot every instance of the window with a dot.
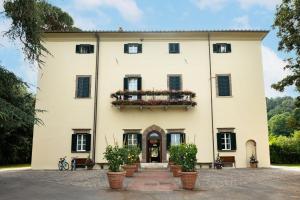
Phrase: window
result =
(175, 138)
(81, 141)
(133, 83)
(174, 82)
(174, 48)
(84, 48)
(132, 48)
(83, 86)
(226, 141)
(223, 85)
(132, 139)
(222, 48)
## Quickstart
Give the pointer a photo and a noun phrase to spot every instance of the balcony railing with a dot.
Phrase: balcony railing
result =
(152, 98)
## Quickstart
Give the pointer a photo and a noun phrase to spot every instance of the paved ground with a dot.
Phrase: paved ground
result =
(212, 184)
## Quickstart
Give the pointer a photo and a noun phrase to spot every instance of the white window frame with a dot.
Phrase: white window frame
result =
(223, 48)
(132, 139)
(133, 48)
(226, 141)
(131, 88)
(175, 137)
(81, 142)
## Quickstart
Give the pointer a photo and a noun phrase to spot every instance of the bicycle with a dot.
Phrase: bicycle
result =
(63, 164)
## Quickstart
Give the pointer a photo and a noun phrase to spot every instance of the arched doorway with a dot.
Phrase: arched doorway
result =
(154, 145)
(250, 150)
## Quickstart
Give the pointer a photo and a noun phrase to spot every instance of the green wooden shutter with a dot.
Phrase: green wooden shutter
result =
(219, 141)
(77, 48)
(140, 48)
(215, 48)
(233, 141)
(125, 139)
(126, 48)
(139, 140)
(139, 86)
(74, 143)
(228, 48)
(182, 138)
(79, 87)
(224, 85)
(91, 48)
(88, 142)
(125, 87)
(168, 141)
(86, 87)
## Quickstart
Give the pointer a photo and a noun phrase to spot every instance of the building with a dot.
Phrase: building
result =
(152, 89)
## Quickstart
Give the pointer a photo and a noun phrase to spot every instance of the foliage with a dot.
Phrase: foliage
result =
(188, 158)
(284, 117)
(115, 157)
(285, 149)
(131, 154)
(175, 154)
(89, 163)
(253, 159)
(30, 19)
(17, 117)
(218, 162)
(287, 20)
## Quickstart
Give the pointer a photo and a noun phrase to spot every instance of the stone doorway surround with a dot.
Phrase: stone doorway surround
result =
(147, 131)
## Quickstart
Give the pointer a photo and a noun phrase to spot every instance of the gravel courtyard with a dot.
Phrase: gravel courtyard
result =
(212, 184)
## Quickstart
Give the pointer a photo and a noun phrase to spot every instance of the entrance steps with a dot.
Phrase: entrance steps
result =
(154, 165)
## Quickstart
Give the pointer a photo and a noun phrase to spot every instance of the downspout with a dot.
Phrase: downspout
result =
(211, 98)
(96, 98)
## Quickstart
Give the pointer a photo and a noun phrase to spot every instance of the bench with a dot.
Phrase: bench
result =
(80, 162)
(228, 161)
(209, 164)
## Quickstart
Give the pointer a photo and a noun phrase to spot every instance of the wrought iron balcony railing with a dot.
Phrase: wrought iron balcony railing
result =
(152, 98)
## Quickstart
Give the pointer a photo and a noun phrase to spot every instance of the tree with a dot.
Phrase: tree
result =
(17, 116)
(287, 21)
(30, 19)
(280, 125)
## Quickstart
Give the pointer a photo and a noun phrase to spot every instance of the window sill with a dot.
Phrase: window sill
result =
(82, 97)
(80, 151)
(226, 150)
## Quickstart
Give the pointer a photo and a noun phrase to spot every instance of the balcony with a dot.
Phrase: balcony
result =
(154, 99)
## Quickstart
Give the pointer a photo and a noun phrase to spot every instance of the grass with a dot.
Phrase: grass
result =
(288, 165)
(14, 166)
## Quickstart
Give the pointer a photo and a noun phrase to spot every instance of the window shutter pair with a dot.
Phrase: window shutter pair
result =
(217, 48)
(74, 142)
(139, 139)
(139, 46)
(232, 139)
(174, 48)
(182, 139)
(89, 48)
(139, 86)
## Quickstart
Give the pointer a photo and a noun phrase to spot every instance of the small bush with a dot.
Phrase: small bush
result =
(115, 157)
(131, 154)
(188, 158)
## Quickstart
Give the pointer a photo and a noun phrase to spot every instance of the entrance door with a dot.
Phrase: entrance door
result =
(153, 147)
(250, 150)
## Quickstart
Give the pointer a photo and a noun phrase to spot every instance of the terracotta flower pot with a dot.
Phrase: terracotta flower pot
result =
(188, 180)
(253, 165)
(176, 170)
(171, 168)
(130, 169)
(115, 179)
(137, 167)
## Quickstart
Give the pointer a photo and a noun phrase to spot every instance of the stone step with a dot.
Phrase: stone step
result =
(154, 165)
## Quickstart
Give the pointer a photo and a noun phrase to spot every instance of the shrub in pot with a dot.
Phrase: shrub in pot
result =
(130, 157)
(89, 163)
(176, 158)
(253, 162)
(188, 163)
(114, 157)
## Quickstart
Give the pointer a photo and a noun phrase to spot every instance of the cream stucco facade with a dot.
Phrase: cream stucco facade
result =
(243, 112)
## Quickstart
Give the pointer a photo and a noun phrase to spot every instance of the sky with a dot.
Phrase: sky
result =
(163, 15)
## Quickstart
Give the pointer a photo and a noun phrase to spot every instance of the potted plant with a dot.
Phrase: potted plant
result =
(218, 162)
(175, 155)
(114, 157)
(89, 163)
(253, 162)
(129, 160)
(136, 151)
(188, 163)
(171, 158)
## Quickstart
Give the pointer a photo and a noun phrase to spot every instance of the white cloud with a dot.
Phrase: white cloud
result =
(269, 4)
(241, 22)
(214, 5)
(127, 8)
(273, 72)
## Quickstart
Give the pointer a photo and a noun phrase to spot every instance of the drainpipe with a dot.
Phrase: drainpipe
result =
(211, 98)
(96, 98)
